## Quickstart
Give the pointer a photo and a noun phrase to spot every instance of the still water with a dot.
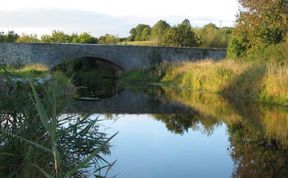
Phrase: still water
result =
(167, 133)
(162, 133)
(144, 148)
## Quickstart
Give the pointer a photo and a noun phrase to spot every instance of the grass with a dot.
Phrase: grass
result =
(261, 82)
(139, 43)
(202, 76)
(36, 139)
(27, 71)
(51, 122)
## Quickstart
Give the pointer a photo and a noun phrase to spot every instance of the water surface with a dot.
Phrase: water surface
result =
(168, 133)
(144, 148)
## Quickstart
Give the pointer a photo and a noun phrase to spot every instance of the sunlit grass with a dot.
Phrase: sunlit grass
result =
(33, 67)
(27, 71)
(139, 43)
(205, 75)
(264, 82)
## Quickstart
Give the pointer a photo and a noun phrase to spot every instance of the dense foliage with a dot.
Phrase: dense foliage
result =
(108, 39)
(181, 35)
(11, 36)
(260, 24)
(159, 30)
(212, 36)
(28, 38)
(61, 37)
(160, 34)
(140, 33)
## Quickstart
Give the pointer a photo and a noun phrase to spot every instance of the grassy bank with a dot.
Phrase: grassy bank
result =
(27, 71)
(262, 82)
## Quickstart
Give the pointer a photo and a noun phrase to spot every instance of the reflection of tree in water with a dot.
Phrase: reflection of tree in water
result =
(155, 95)
(256, 156)
(180, 123)
(258, 133)
(259, 143)
(271, 121)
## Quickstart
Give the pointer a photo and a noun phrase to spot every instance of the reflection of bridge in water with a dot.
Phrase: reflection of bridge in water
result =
(131, 103)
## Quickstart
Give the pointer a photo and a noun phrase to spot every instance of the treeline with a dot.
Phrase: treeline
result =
(181, 35)
(160, 34)
(58, 37)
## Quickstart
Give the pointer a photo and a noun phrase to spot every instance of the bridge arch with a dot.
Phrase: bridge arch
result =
(84, 58)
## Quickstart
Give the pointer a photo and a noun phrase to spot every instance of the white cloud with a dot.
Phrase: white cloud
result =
(101, 16)
(150, 8)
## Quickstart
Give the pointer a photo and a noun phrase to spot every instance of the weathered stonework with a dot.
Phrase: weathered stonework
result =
(127, 57)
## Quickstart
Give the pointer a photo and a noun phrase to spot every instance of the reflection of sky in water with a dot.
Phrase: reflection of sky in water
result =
(144, 148)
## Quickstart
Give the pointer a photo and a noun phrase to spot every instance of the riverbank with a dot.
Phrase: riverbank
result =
(27, 71)
(258, 82)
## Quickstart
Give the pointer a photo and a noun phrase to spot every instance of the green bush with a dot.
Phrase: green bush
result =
(237, 47)
(277, 53)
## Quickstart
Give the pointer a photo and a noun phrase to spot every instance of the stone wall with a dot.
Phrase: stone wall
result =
(126, 57)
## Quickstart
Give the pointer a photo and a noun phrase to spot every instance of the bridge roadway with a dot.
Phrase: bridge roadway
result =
(125, 57)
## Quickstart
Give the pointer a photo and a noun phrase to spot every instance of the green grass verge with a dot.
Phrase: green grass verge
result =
(139, 43)
(262, 82)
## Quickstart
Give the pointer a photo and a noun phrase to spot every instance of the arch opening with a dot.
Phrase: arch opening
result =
(94, 77)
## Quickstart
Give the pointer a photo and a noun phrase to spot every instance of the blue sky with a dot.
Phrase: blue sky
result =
(110, 16)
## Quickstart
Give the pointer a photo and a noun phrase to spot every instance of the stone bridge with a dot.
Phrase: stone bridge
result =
(125, 57)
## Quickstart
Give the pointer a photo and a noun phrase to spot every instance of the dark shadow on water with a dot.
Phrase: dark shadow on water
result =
(95, 77)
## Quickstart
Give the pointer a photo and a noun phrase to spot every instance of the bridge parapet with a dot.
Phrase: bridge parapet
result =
(128, 57)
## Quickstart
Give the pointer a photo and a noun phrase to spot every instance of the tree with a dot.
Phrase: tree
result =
(186, 36)
(237, 47)
(11, 36)
(26, 38)
(211, 36)
(260, 23)
(170, 37)
(2, 37)
(84, 38)
(158, 31)
(186, 22)
(146, 34)
(132, 34)
(57, 37)
(180, 36)
(141, 32)
(46, 38)
(108, 39)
